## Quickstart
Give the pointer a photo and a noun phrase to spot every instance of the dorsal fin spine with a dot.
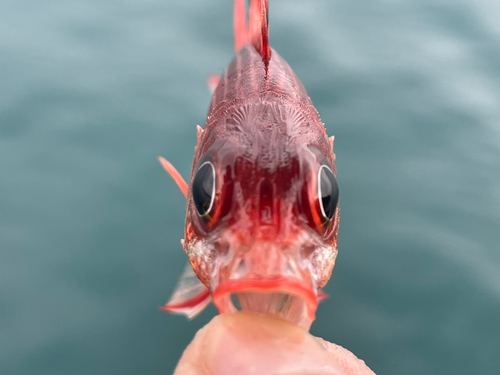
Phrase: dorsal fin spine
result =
(255, 31)
(264, 34)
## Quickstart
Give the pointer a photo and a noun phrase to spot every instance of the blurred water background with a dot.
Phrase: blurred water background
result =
(91, 92)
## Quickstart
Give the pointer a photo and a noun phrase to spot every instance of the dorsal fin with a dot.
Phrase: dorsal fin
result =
(252, 28)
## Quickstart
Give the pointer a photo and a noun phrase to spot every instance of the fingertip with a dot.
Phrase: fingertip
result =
(351, 364)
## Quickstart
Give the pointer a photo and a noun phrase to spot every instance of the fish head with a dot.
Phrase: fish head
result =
(262, 213)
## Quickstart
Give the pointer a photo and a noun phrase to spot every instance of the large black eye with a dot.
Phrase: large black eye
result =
(328, 192)
(204, 188)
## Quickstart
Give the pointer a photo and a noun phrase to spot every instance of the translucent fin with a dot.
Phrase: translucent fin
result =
(255, 31)
(212, 82)
(175, 175)
(240, 25)
(190, 296)
(322, 296)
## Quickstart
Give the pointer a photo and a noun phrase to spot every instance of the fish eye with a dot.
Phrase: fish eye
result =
(328, 192)
(203, 189)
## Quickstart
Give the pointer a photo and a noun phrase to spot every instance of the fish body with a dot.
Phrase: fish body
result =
(262, 215)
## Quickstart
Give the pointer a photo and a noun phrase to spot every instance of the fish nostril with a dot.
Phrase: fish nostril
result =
(266, 202)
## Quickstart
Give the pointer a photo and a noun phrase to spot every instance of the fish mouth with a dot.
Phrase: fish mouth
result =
(268, 277)
(282, 296)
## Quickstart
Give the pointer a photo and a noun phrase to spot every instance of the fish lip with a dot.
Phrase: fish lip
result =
(258, 283)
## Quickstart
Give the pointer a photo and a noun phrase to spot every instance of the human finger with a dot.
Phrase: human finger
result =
(247, 343)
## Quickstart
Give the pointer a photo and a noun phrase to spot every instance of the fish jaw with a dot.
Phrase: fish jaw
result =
(282, 296)
(280, 279)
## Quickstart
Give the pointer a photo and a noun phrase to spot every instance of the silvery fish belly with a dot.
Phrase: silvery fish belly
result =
(262, 202)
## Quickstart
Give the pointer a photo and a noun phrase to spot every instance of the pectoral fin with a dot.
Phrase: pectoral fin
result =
(322, 296)
(190, 296)
(183, 186)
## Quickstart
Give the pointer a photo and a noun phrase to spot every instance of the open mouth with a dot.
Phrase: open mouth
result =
(281, 296)
(278, 304)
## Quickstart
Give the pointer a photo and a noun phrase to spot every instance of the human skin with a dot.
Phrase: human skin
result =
(247, 343)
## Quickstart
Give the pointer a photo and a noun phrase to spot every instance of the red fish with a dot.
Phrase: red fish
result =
(262, 203)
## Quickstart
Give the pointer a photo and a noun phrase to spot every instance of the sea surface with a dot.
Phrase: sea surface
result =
(91, 92)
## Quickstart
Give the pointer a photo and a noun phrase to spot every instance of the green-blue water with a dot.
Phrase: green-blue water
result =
(91, 92)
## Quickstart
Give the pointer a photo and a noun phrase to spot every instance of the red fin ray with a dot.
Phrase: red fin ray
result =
(240, 25)
(190, 296)
(175, 175)
(322, 296)
(256, 30)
